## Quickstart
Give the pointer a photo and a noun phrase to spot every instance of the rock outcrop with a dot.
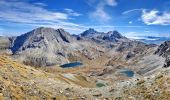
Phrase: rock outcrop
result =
(164, 51)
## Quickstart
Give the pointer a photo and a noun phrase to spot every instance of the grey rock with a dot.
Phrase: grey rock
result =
(43, 46)
(164, 51)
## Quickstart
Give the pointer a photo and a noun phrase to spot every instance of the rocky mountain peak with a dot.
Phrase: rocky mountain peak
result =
(164, 49)
(40, 37)
(89, 32)
(114, 34)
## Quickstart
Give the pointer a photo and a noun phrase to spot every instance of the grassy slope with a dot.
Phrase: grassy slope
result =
(18, 81)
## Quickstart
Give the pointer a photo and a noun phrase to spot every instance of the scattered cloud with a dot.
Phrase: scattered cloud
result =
(130, 22)
(1, 31)
(131, 35)
(71, 12)
(155, 17)
(130, 11)
(111, 2)
(35, 14)
(147, 31)
(135, 35)
(40, 4)
(100, 15)
(25, 12)
(100, 10)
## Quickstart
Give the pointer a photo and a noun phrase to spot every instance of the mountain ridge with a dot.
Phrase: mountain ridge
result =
(49, 46)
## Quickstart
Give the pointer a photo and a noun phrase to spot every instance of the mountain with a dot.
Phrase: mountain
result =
(48, 47)
(40, 38)
(111, 36)
(90, 33)
(164, 51)
(43, 45)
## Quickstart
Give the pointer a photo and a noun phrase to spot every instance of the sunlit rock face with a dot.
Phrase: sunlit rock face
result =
(42, 45)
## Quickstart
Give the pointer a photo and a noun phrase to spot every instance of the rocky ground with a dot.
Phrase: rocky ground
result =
(18, 81)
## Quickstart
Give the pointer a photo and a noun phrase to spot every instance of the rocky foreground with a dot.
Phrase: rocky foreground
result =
(18, 81)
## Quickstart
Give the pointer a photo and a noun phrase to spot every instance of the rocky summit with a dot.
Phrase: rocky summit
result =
(104, 66)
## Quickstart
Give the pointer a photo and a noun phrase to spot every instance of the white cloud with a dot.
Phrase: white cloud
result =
(111, 2)
(1, 31)
(40, 4)
(135, 35)
(131, 35)
(24, 13)
(130, 22)
(100, 13)
(132, 10)
(155, 17)
(71, 12)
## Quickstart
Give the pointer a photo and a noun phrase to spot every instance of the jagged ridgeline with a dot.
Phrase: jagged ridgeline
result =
(47, 47)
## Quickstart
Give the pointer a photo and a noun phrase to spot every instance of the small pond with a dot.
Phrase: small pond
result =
(100, 84)
(128, 73)
(70, 65)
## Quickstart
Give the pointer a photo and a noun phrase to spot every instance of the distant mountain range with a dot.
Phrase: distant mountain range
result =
(153, 40)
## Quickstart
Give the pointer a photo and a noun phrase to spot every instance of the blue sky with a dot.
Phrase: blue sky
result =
(132, 18)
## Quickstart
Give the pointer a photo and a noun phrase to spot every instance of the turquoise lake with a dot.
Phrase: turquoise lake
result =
(128, 73)
(70, 65)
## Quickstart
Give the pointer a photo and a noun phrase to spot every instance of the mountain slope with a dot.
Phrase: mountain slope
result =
(44, 45)
(18, 81)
